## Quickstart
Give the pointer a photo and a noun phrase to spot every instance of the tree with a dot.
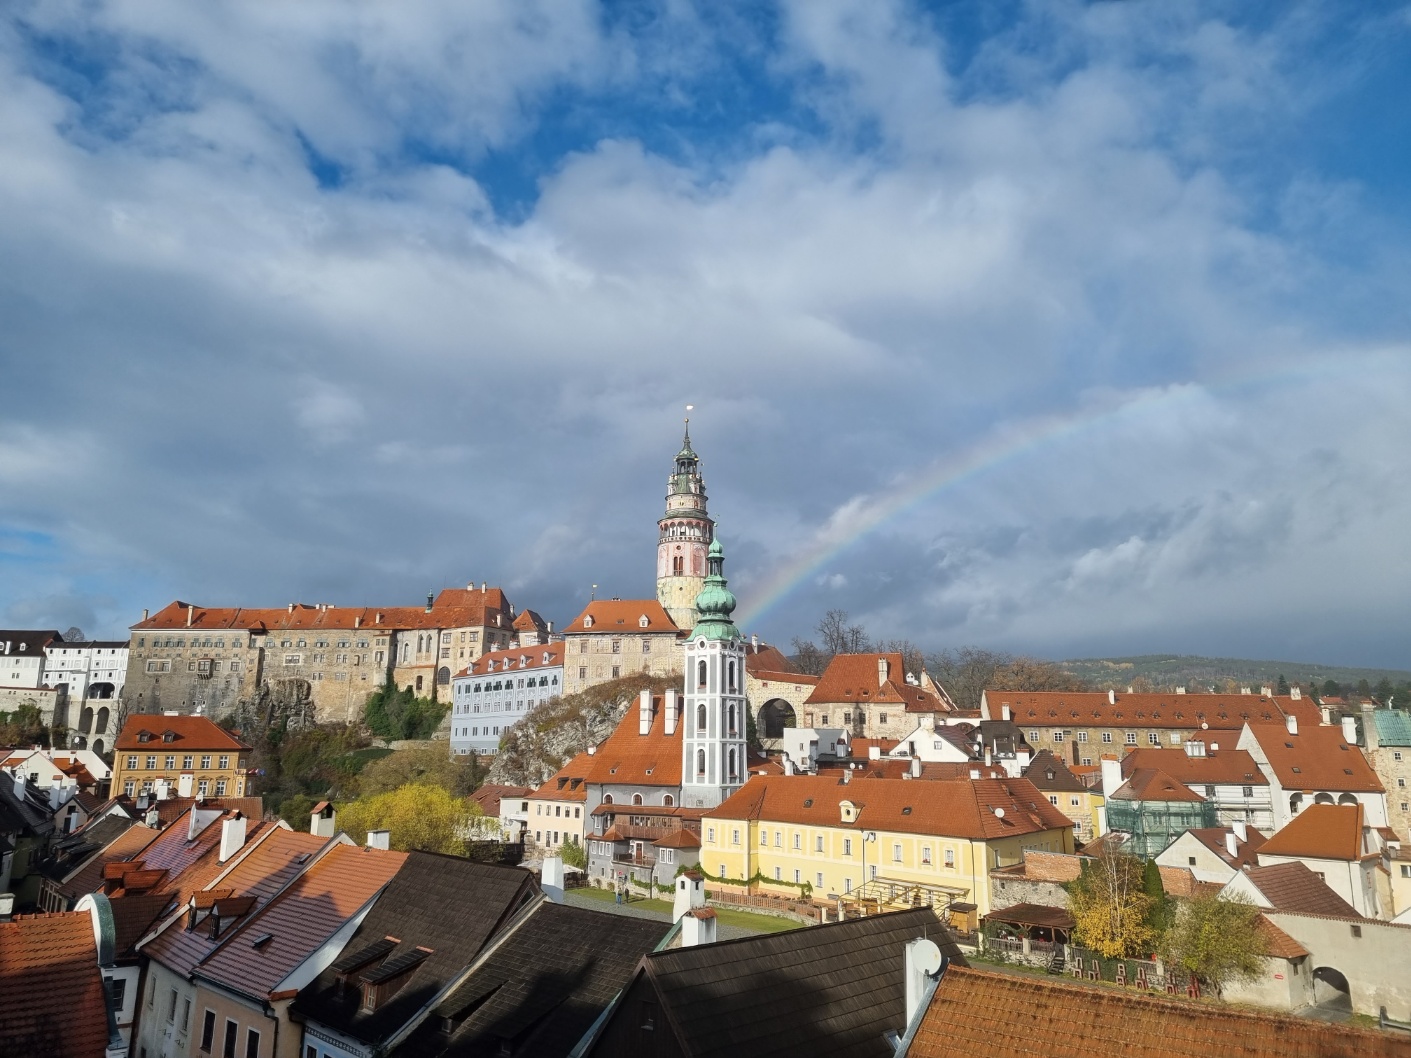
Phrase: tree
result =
(967, 672)
(1162, 910)
(434, 765)
(574, 854)
(808, 657)
(839, 637)
(23, 726)
(1384, 691)
(1219, 941)
(400, 714)
(1332, 689)
(1364, 689)
(419, 816)
(1282, 689)
(74, 635)
(1110, 906)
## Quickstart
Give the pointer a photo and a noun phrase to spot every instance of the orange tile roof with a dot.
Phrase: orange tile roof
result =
(1315, 759)
(981, 1014)
(191, 733)
(127, 845)
(1178, 881)
(1160, 710)
(547, 655)
(653, 759)
(1322, 832)
(796, 679)
(679, 839)
(851, 679)
(453, 608)
(1278, 943)
(52, 999)
(950, 809)
(766, 658)
(529, 621)
(1294, 887)
(300, 919)
(1247, 851)
(621, 615)
(1153, 784)
(488, 797)
(561, 786)
(1227, 766)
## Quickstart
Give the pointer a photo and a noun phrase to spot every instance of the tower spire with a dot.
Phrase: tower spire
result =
(685, 532)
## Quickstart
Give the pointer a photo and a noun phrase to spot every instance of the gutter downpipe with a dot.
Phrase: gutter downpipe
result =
(904, 1044)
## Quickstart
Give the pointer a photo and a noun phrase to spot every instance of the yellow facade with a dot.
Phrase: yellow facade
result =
(213, 772)
(835, 859)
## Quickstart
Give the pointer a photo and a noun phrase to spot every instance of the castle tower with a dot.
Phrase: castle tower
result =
(713, 762)
(686, 531)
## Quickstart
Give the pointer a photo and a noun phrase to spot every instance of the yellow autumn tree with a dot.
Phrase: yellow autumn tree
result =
(419, 816)
(1110, 907)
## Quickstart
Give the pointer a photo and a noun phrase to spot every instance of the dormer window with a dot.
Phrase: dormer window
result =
(168, 736)
(642, 621)
(588, 621)
(848, 810)
(144, 736)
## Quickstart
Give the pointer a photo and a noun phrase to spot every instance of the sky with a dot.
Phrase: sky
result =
(1060, 328)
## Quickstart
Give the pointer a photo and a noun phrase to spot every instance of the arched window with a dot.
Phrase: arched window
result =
(678, 565)
(730, 726)
(636, 798)
(1295, 802)
(700, 764)
(668, 800)
(732, 677)
(733, 771)
(701, 673)
(701, 717)
(607, 798)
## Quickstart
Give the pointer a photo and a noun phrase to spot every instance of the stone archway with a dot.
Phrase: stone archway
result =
(775, 715)
(1331, 990)
(100, 720)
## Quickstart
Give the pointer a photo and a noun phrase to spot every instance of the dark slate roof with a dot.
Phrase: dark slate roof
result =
(447, 904)
(541, 989)
(23, 815)
(831, 989)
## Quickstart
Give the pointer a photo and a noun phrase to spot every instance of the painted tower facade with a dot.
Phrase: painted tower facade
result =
(713, 762)
(686, 532)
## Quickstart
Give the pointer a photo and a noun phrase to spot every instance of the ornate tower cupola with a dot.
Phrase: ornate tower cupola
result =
(713, 762)
(686, 531)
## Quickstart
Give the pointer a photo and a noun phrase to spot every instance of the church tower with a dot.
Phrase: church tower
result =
(713, 762)
(685, 533)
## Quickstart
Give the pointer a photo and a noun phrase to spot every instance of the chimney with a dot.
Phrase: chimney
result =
(377, 618)
(644, 711)
(788, 764)
(673, 708)
(882, 669)
(429, 596)
(1291, 722)
(591, 750)
(754, 644)
(358, 621)
(923, 964)
(847, 776)
(190, 613)
(1232, 844)
(698, 927)
(1004, 711)
(690, 893)
(550, 627)
(1180, 690)
(291, 607)
(551, 878)
(1111, 696)
(874, 752)
(1349, 730)
(482, 587)
(7, 906)
(989, 756)
(323, 820)
(1296, 693)
(184, 785)
(232, 836)
(1266, 692)
(1241, 829)
(1244, 690)
(1111, 776)
(1369, 728)
(916, 767)
(379, 839)
(144, 613)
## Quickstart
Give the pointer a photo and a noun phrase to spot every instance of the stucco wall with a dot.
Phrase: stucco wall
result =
(1377, 964)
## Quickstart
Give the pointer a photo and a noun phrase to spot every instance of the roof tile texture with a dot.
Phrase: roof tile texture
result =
(852, 679)
(51, 992)
(1322, 832)
(1323, 759)
(1231, 767)
(626, 756)
(1228, 712)
(623, 616)
(1294, 887)
(453, 608)
(192, 734)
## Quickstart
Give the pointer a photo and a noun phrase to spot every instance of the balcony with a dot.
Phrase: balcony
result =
(645, 858)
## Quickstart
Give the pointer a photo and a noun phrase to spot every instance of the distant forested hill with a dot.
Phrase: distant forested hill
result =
(1200, 673)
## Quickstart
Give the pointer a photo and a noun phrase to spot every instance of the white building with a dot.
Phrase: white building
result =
(497, 690)
(23, 661)
(94, 670)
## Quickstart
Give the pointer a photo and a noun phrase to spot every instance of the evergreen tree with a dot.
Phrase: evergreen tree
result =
(1283, 687)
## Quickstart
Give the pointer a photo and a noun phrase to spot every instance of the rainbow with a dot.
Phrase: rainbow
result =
(1011, 441)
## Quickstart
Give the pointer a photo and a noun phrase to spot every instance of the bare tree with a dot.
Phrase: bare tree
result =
(74, 635)
(808, 657)
(911, 657)
(839, 637)
(967, 672)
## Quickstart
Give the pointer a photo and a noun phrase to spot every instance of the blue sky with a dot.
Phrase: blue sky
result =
(339, 302)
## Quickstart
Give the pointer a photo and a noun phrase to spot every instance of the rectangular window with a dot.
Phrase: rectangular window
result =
(169, 762)
(232, 1030)
(926, 855)
(1033, 737)
(311, 1051)
(847, 846)
(1058, 736)
(798, 840)
(186, 761)
(764, 837)
(117, 989)
(252, 1044)
(778, 874)
(132, 762)
(220, 787)
(224, 761)
(1153, 738)
(582, 672)
(1073, 802)
(151, 763)
(710, 834)
(646, 646)
(205, 760)
(128, 787)
(818, 843)
(208, 1030)
(1082, 736)
(1247, 791)
(950, 857)
(896, 852)
(1131, 738)
(1053, 799)
(1107, 736)
(722, 872)
(778, 839)
(735, 837)
(203, 787)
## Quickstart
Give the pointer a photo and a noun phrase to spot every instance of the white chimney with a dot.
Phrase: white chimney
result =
(916, 767)
(1296, 693)
(874, 752)
(989, 756)
(847, 776)
(754, 644)
(144, 613)
(1241, 829)
(551, 878)
(644, 711)
(190, 613)
(698, 927)
(673, 707)
(1232, 844)
(882, 669)
(788, 764)
(232, 836)
(379, 839)
(323, 820)
(1111, 696)
(922, 964)
(1004, 711)
(1349, 730)
(184, 784)
(1291, 722)
(1267, 692)
(1180, 690)
(1244, 690)
(690, 893)
(1111, 776)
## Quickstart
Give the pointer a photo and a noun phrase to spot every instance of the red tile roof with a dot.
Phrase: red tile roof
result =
(190, 733)
(679, 839)
(547, 655)
(1153, 784)
(1322, 832)
(852, 679)
(300, 919)
(488, 797)
(569, 783)
(1278, 943)
(1227, 766)
(1315, 759)
(766, 658)
(529, 621)
(621, 615)
(1227, 712)
(1213, 838)
(653, 759)
(951, 809)
(980, 1014)
(1294, 887)
(453, 608)
(52, 1000)
(89, 878)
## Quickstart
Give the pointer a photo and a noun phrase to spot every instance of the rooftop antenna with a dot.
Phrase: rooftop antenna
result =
(594, 594)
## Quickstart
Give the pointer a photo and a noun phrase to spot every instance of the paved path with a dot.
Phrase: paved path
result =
(576, 899)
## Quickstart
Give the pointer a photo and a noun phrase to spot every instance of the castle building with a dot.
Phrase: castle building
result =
(686, 532)
(496, 690)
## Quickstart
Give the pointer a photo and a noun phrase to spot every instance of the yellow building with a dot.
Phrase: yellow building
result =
(193, 756)
(879, 841)
(555, 813)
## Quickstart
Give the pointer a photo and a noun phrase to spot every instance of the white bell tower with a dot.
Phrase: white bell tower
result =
(713, 761)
